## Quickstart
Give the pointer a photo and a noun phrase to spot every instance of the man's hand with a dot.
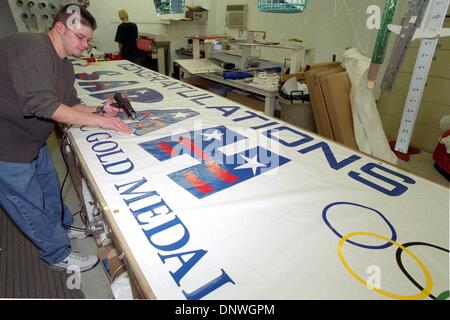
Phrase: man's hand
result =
(109, 110)
(79, 115)
(115, 123)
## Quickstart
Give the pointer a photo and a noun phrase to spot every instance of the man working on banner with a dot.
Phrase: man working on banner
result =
(37, 90)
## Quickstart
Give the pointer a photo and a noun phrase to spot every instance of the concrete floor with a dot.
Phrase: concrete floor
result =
(95, 284)
(422, 165)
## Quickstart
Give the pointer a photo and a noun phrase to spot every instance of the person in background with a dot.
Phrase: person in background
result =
(36, 91)
(126, 37)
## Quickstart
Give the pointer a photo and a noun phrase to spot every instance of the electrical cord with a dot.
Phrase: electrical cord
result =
(79, 211)
(82, 212)
(63, 140)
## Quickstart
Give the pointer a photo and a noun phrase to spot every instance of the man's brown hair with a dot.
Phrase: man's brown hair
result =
(86, 17)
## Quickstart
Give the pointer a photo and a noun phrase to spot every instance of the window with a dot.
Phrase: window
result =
(282, 6)
(169, 6)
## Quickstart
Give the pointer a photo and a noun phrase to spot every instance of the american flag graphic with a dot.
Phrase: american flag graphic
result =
(216, 171)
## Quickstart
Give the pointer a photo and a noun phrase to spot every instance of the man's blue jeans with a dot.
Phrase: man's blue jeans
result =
(30, 194)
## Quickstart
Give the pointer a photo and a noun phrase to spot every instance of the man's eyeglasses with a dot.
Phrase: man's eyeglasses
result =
(81, 37)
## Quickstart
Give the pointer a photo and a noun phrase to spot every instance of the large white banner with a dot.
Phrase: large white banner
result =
(217, 201)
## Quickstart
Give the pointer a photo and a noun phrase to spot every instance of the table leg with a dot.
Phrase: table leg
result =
(269, 106)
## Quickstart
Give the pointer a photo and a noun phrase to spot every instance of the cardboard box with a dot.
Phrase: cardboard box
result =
(323, 66)
(319, 106)
(300, 76)
(336, 90)
(197, 15)
(329, 90)
(112, 264)
(246, 99)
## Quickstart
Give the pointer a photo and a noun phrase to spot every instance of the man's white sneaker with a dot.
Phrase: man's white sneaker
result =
(75, 234)
(75, 259)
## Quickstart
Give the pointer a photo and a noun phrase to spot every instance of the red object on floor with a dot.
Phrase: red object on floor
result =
(401, 155)
(90, 60)
(144, 43)
(440, 155)
(116, 57)
(112, 57)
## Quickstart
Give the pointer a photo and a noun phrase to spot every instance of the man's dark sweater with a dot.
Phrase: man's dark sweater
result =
(34, 81)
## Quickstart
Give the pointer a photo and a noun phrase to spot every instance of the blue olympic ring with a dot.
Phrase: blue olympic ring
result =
(386, 245)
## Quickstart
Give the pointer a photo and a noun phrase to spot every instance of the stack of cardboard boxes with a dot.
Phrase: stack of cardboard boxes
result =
(329, 90)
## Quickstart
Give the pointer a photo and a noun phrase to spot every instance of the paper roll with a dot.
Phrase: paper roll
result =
(445, 123)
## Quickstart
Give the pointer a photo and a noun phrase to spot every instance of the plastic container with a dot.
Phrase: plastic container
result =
(298, 112)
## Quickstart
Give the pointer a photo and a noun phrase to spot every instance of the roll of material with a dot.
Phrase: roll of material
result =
(445, 123)
(228, 66)
(223, 64)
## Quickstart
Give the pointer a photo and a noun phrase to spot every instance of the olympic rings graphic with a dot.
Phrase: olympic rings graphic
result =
(386, 245)
(422, 294)
(400, 264)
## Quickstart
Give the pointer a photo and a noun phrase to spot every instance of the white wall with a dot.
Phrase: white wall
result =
(363, 38)
(38, 24)
(327, 26)
(143, 13)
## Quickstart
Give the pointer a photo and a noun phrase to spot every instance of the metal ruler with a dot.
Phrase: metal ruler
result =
(416, 9)
(383, 34)
(381, 42)
(429, 32)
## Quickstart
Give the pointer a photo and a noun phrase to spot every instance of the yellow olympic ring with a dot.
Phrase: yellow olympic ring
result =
(429, 280)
